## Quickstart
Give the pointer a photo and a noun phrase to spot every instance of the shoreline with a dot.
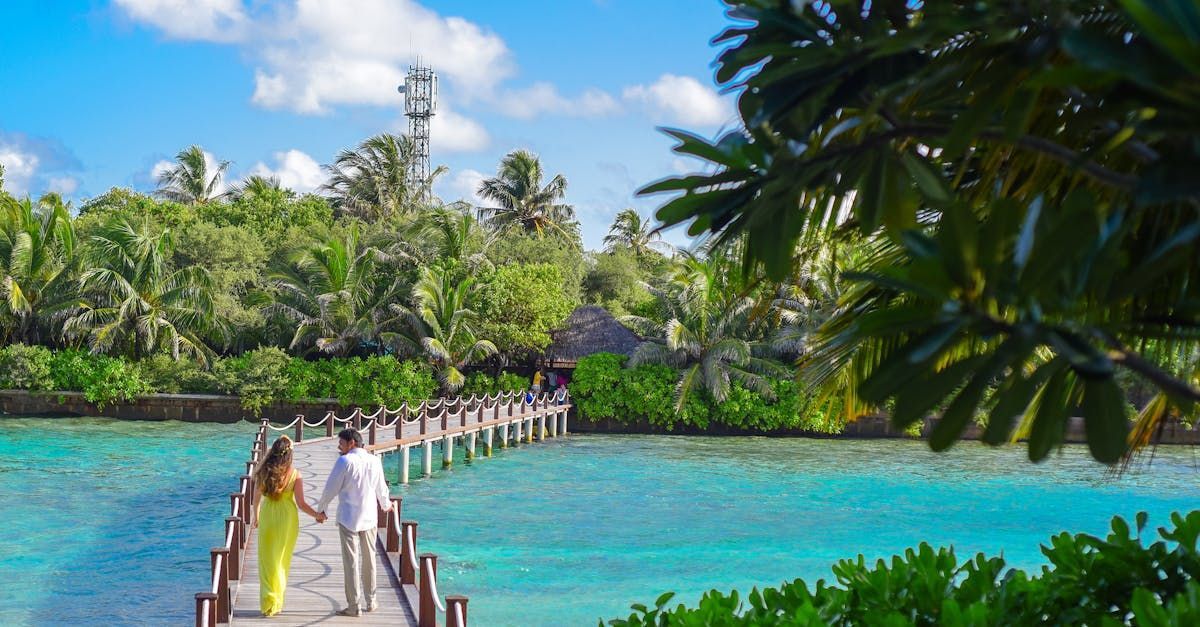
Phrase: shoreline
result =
(217, 408)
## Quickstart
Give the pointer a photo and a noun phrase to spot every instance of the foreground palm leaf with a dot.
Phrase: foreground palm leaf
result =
(1034, 163)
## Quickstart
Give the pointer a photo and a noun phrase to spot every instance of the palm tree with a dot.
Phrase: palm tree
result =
(134, 304)
(448, 236)
(260, 186)
(373, 180)
(37, 256)
(441, 326)
(335, 294)
(710, 335)
(189, 180)
(631, 232)
(522, 201)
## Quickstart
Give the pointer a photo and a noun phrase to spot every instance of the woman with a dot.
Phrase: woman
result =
(281, 491)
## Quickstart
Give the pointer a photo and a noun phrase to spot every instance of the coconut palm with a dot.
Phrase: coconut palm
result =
(630, 231)
(441, 326)
(335, 294)
(134, 304)
(522, 201)
(259, 186)
(37, 256)
(373, 180)
(711, 334)
(189, 181)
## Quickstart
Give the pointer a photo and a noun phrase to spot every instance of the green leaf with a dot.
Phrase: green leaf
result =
(915, 401)
(1013, 399)
(1104, 420)
(962, 409)
(1054, 407)
(872, 194)
(930, 181)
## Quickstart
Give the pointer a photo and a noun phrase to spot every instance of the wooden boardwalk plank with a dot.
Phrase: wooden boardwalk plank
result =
(315, 590)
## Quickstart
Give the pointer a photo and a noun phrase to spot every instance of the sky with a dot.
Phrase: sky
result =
(101, 94)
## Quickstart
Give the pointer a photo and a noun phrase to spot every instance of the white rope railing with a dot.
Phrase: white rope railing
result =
(427, 576)
(410, 549)
(459, 619)
(216, 576)
(315, 424)
(289, 425)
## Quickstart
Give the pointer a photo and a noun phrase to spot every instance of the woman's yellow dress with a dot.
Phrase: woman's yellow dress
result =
(278, 527)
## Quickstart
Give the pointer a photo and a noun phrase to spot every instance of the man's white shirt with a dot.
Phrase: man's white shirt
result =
(357, 480)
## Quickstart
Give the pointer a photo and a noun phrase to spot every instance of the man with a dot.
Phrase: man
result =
(357, 480)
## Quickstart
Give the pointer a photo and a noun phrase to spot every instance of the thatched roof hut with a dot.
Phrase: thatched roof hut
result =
(589, 329)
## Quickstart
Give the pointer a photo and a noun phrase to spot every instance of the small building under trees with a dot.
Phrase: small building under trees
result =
(588, 330)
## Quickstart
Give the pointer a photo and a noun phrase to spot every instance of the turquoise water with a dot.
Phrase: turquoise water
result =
(110, 522)
(574, 530)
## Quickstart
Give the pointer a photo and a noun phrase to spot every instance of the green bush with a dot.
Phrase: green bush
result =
(1090, 581)
(482, 383)
(382, 380)
(603, 389)
(25, 368)
(162, 373)
(258, 377)
(101, 378)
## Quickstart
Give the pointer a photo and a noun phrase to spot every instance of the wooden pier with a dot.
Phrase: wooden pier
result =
(407, 581)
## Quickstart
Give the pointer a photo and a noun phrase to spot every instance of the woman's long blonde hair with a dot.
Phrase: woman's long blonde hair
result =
(272, 474)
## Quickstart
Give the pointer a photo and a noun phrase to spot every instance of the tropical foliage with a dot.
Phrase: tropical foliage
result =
(1115, 580)
(1026, 176)
(192, 179)
(629, 231)
(374, 179)
(37, 257)
(522, 202)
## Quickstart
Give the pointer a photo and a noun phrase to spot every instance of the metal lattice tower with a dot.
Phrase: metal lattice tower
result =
(420, 100)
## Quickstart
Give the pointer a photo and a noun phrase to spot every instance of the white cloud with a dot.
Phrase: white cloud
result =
(19, 168)
(295, 170)
(64, 185)
(452, 132)
(461, 186)
(543, 97)
(681, 100)
(205, 20)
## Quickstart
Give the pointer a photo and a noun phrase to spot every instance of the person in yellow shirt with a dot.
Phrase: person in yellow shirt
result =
(537, 382)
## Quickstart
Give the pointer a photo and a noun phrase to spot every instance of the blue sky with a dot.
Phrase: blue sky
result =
(99, 94)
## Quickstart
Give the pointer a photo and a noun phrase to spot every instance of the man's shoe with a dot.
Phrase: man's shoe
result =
(350, 611)
(371, 608)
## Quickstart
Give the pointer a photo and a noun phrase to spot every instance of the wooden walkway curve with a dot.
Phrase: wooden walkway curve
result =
(407, 581)
(315, 590)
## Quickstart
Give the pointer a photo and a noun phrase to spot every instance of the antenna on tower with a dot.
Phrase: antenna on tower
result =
(420, 100)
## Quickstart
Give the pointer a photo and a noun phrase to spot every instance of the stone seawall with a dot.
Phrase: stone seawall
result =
(866, 427)
(219, 408)
(185, 407)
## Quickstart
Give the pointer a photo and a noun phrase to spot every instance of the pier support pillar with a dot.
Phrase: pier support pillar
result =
(448, 451)
(553, 424)
(563, 428)
(404, 465)
(487, 441)
(471, 437)
(427, 458)
(517, 431)
(529, 430)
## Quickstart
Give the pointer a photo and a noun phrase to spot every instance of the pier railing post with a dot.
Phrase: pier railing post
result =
(371, 431)
(427, 617)
(456, 610)
(329, 420)
(408, 530)
(235, 557)
(356, 419)
(206, 609)
(247, 483)
(392, 539)
(299, 427)
(235, 506)
(220, 566)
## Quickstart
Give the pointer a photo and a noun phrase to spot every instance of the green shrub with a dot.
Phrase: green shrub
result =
(25, 368)
(382, 380)
(482, 383)
(1090, 581)
(162, 373)
(101, 378)
(603, 389)
(258, 377)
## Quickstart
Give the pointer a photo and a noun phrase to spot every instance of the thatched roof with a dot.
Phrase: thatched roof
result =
(589, 329)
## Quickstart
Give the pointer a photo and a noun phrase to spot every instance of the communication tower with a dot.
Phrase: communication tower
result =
(420, 100)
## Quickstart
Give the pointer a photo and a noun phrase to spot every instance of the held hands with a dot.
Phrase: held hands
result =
(321, 517)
